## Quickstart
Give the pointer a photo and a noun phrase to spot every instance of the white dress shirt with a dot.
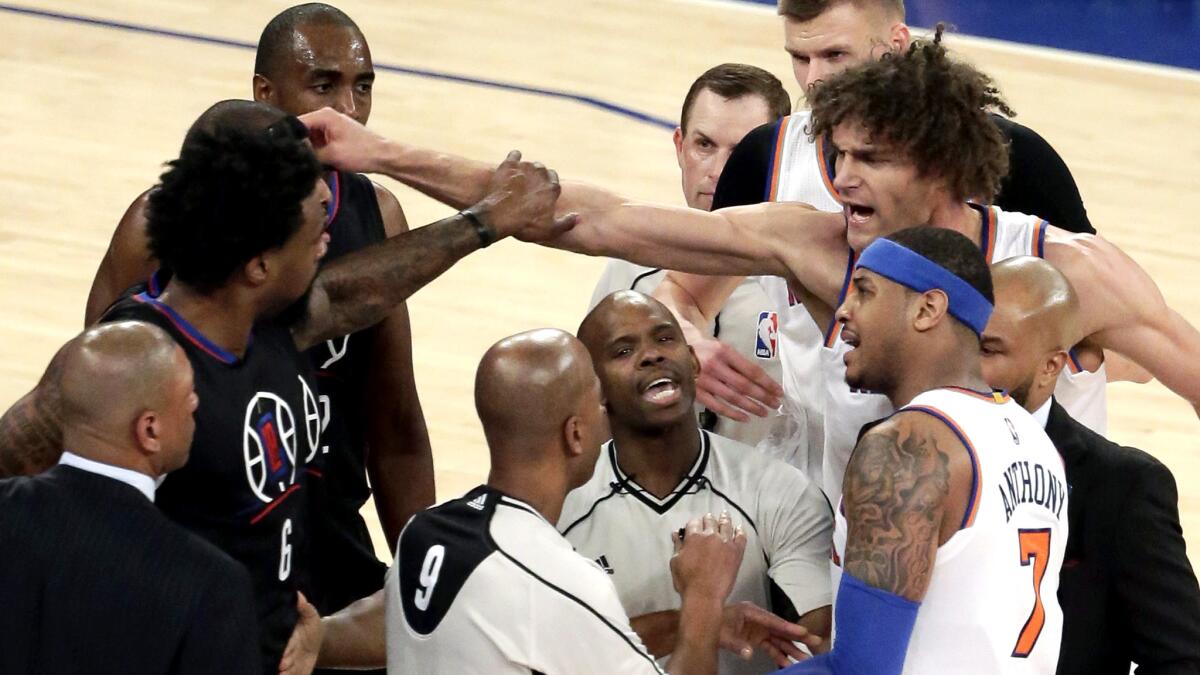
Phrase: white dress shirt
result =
(1042, 414)
(143, 483)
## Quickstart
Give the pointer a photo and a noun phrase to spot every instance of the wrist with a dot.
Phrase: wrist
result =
(477, 217)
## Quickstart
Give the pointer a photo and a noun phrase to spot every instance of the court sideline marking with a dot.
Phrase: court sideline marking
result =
(584, 99)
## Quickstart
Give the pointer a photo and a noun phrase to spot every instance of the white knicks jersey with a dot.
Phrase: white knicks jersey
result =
(484, 584)
(992, 603)
(749, 322)
(798, 173)
(627, 531)
(1004, 235)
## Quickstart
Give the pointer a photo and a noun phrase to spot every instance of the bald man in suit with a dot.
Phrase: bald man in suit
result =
(93, 578)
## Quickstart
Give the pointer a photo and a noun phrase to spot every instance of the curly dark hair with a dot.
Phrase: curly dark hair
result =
(931, 108)
(231, 195)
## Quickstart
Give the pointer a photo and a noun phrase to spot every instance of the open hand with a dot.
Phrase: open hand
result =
(730, 384)
(746, 627)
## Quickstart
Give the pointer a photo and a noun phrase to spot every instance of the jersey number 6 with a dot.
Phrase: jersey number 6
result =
(1035, 548)
(429, 576)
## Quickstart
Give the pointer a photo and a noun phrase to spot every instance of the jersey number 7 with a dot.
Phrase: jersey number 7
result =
(1035, 548)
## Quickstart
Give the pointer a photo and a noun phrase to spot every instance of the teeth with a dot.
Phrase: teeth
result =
(661, 380)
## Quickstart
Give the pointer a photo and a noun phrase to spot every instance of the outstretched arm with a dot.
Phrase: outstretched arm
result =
(1123, 310)
(359, 289)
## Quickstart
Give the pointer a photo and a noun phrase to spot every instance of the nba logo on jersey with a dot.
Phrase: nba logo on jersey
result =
(767, 341)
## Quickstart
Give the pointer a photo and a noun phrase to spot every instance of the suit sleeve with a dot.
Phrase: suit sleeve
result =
(745, 178)
(223, 636)
(1155, 585)
(1039, 182)
(798, 533)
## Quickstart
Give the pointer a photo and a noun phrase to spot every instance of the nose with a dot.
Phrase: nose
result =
(842, 315)
(651, 355)
(345, 102)
(845, 174)
(816, 73)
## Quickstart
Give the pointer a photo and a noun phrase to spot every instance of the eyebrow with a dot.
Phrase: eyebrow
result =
(318, 73)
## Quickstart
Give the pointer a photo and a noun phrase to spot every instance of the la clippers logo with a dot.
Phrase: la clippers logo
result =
(269, 446)
(767, 343)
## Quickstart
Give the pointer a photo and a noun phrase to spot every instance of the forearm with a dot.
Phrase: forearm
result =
(699, 637)
(668, 237)
(693, 298)
(30, 436)
(359, 289)
(658, 631)
(402, 479)
(456, 181)
(355, 637)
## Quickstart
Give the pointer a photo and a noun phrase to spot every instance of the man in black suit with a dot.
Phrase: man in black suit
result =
(1127, 590)
(93, 578)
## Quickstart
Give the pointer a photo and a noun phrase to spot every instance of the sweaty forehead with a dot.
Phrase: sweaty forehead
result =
(326, 46)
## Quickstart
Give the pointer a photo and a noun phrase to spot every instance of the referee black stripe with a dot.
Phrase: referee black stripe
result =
(577, 601)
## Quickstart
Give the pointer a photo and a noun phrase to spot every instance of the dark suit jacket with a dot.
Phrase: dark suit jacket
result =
(1127, 590)
(94, 579)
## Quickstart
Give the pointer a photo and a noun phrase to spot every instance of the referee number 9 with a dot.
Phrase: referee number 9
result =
(429, 576)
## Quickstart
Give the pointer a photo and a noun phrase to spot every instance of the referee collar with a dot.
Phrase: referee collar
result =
(629, 485)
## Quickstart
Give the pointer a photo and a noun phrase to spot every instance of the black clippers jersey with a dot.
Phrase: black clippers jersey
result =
(344, 567)
(243, 487)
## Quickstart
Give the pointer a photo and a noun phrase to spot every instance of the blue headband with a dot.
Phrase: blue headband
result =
(911, 269)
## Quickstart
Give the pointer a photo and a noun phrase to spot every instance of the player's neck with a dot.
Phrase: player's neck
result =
(658, 459)
(960, 217)
(940, 369)
(221, 318)
(97, 446)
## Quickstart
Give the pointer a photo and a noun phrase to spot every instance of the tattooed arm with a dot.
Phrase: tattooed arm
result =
(31, 431)
(904, 494)
(359, 289)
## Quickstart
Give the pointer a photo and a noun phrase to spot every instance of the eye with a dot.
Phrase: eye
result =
(835, 56)
(800, 59)
(704, 143)
(365, 87)
(622, 352)
(322, 87)
(667, 338)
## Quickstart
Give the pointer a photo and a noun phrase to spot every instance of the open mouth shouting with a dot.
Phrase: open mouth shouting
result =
(661, 391)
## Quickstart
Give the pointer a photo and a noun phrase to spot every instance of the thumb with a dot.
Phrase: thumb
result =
(565, 223)
(513, 157)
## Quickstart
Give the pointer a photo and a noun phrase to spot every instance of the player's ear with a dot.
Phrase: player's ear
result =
(899, 38)
(928, 309)
(264, 91)
(696, 367)
(678, 138)
(257, 270)
(147, 430)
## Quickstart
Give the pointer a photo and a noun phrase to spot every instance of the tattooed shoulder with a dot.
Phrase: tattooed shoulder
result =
(896, 488)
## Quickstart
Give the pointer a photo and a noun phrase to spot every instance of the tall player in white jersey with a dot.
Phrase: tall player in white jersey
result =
(720, 107)
(660, 471)
(897, 164)
(953, 524)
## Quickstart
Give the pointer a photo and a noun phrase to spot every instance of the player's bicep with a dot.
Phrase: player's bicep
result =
(894, 495)
(390, 211)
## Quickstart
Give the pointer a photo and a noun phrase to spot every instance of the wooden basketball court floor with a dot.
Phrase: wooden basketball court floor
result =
(94, 109)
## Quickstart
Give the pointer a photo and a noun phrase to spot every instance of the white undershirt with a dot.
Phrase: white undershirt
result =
(144, 484)
(1042, 414)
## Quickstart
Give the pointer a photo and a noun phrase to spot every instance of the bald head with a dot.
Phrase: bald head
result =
(598, 326)
(113, 376)
(528, 386)
(1035, 323)
(250, 116)
(1038, 300)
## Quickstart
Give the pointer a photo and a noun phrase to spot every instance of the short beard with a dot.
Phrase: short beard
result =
(1020, 393)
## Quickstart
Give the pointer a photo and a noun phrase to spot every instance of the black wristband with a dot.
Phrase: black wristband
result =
(486, 234)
